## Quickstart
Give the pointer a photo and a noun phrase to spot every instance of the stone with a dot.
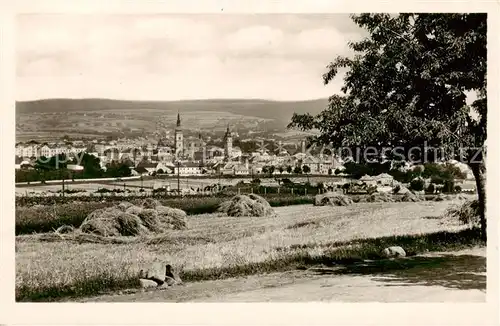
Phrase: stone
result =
(394, 251)
(170, 281)
(147, 284)
(163, 286)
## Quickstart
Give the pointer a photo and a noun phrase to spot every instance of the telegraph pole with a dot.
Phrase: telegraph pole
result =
(178, 177)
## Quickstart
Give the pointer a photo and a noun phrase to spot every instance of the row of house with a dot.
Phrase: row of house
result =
(36, 150)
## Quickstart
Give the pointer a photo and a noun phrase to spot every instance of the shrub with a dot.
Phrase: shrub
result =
(458, 189)
(417, 184)
(430, 189)
(448, 186)
(437, 180)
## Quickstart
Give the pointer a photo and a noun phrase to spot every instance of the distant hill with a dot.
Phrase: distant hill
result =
(98, 118)
(279, 111)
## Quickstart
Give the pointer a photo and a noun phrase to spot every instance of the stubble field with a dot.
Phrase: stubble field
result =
(216, 246)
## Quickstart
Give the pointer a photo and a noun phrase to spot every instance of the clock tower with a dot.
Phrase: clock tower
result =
(179, 139)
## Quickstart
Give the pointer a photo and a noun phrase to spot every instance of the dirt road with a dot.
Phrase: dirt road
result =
(436, 277)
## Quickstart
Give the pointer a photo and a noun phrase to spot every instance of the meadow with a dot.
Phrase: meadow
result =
(48, 217)
(217, 247)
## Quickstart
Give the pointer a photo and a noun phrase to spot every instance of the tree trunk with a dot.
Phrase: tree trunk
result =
(479, 171)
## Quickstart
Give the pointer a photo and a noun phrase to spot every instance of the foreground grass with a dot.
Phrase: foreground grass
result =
(217, 247)
(329, 254)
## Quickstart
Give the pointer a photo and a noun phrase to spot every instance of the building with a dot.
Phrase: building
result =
(179, 139)
(228, 144)
(197, 150)
(188, 169)
(382, 179)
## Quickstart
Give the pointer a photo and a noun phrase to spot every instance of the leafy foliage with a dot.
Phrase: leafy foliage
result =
(405, 86)
(417, 184)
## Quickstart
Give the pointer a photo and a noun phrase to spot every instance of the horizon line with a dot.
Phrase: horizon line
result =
(179, 100)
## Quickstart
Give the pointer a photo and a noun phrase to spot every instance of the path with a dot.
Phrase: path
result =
(436, 277)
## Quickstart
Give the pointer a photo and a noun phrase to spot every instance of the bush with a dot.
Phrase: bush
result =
(417, 184)
(430, 189)
(458, 189)
(448, 186)
(437, 180)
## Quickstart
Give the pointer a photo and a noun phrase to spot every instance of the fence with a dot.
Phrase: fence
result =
(121, 194)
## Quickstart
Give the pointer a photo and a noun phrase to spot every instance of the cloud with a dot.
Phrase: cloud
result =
(255, 39)
(195, 55)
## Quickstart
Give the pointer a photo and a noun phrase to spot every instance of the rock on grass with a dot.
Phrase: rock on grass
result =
(394, 251)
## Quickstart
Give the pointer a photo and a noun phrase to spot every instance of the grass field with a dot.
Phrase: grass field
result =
(219, 247)
(46, 218)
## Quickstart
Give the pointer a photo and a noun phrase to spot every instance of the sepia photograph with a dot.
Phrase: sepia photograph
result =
(237, 157)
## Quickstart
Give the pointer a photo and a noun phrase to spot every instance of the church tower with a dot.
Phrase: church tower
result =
(179, 139)
(228, 147)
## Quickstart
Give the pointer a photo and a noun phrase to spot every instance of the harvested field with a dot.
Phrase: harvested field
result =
(214, 242)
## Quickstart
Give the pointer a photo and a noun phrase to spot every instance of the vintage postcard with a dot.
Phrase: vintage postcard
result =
(229, 154)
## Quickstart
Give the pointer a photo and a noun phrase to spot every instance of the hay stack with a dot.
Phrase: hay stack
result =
(124, 205)
(172, 218)
(380, 197)
(410, 197)
(113, 222)
(150, 203)
(467, 212)
(243, 205)
(333, 199)
(129, 220)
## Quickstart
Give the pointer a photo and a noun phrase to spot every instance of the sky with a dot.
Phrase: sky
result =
(176, 57)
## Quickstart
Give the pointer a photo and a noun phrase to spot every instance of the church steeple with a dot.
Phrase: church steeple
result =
(228, 147)
(179, 139)
(178, 119)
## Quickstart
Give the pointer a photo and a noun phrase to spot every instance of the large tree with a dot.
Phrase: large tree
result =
(406, 85)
